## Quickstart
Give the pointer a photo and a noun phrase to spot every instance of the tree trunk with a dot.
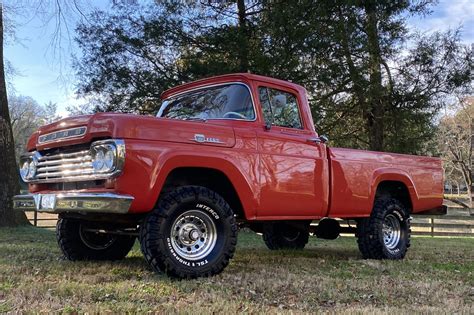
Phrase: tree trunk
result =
(375, 115)
(9, 178)
(244, 37)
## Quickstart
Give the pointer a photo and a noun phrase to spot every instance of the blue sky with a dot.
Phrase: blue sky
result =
(42, 77)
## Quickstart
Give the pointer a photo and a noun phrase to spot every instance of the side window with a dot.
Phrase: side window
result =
(280, 107)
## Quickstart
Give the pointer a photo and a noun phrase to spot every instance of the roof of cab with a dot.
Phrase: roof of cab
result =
(229, 78)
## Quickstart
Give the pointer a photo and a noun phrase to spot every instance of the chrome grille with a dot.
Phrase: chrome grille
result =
(64, 166)
(73, 164)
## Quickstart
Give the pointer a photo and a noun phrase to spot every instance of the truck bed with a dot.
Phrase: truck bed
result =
(355, 175)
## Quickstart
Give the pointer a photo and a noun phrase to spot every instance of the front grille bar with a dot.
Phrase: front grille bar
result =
(58, 166)
(73, 166)
(63, 155)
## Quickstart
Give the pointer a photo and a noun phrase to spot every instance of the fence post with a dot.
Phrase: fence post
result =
(471, 192)
(432, 226)
(35, 218)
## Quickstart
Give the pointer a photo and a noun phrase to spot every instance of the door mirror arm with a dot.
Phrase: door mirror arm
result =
(268, 125)
(320, 139)
(324, 138)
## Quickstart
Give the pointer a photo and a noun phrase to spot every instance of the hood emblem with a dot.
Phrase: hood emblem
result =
(62, 134)
(200, 138)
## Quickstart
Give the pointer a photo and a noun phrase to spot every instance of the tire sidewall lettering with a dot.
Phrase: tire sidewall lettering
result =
(402, 242)
(399, 216)
(208, 209)
(183, 261)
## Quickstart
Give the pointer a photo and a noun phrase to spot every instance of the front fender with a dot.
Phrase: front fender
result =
(149, 164)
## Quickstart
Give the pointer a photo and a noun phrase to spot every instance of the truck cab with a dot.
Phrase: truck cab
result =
(227, 150)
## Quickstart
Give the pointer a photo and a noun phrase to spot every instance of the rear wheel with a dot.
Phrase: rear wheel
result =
(386, 233)
(192, 233)
(79, 240)
(286, 235)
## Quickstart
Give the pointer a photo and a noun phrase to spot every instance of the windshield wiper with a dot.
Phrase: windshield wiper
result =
(196, 119)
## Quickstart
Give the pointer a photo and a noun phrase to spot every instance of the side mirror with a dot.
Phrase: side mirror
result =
(324, 138)
(320, 139)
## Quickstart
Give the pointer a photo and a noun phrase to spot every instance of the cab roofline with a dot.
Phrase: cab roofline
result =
(240, 77)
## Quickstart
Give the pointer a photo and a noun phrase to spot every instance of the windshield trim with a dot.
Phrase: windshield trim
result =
(202, 87)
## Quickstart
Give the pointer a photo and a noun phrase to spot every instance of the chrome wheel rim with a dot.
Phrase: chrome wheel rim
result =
(193, 235)
(96, 241)
(391, 231)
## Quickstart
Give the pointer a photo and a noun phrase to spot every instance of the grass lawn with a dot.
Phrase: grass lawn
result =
(328, 276)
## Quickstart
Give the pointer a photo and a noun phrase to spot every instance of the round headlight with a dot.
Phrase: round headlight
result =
(32, 169)
(104, 157)
(98, 162)
(109, 159)
(24, 170)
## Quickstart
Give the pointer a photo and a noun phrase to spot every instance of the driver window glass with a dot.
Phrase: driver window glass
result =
(281, 106)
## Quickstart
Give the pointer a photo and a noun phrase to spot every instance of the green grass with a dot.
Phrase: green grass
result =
(328, 276)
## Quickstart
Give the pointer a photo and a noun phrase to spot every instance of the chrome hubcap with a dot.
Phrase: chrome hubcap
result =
(193, 235)
(391, 231)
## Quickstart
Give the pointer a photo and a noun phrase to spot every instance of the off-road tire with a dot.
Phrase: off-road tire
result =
(73, 242)
(284, 235)
(159, 236)
(370, 231)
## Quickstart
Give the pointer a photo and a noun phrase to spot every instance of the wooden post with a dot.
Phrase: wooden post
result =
(471, 189)
(432, 226)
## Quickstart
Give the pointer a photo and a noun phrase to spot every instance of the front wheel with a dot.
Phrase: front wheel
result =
(80, 240)
(192, 233)
(386, 234)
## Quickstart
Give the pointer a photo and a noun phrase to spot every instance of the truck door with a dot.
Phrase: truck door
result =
(293, 169)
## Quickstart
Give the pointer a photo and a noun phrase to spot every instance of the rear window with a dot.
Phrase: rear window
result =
(230, 101)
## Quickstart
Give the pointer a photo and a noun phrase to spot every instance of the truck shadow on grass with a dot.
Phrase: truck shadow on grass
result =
(30, 245)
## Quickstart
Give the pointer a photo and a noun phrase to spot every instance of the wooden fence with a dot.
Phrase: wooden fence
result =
(42, 220)
(460, 223)
(449, 225)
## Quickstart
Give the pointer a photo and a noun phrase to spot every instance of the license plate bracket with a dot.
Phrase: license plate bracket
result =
(47, 202)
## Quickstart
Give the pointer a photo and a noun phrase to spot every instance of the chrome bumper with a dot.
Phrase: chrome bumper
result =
(74, 202)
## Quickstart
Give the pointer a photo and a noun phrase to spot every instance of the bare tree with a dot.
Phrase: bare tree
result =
(26, 117)
(456, 145)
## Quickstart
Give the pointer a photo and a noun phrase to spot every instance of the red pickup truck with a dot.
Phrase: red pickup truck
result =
(237, 149)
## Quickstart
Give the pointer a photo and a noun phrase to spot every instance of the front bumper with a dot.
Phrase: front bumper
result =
(74, 202)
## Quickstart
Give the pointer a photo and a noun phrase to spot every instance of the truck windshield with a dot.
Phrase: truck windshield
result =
(230, 101)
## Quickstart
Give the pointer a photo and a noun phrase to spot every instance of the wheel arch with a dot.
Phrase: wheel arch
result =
(216, 174)
(394, 183)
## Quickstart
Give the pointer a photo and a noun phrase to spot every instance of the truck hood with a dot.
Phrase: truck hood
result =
(128, 126)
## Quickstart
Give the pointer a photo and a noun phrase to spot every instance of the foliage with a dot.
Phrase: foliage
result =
(133, 58)
(372, 83)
